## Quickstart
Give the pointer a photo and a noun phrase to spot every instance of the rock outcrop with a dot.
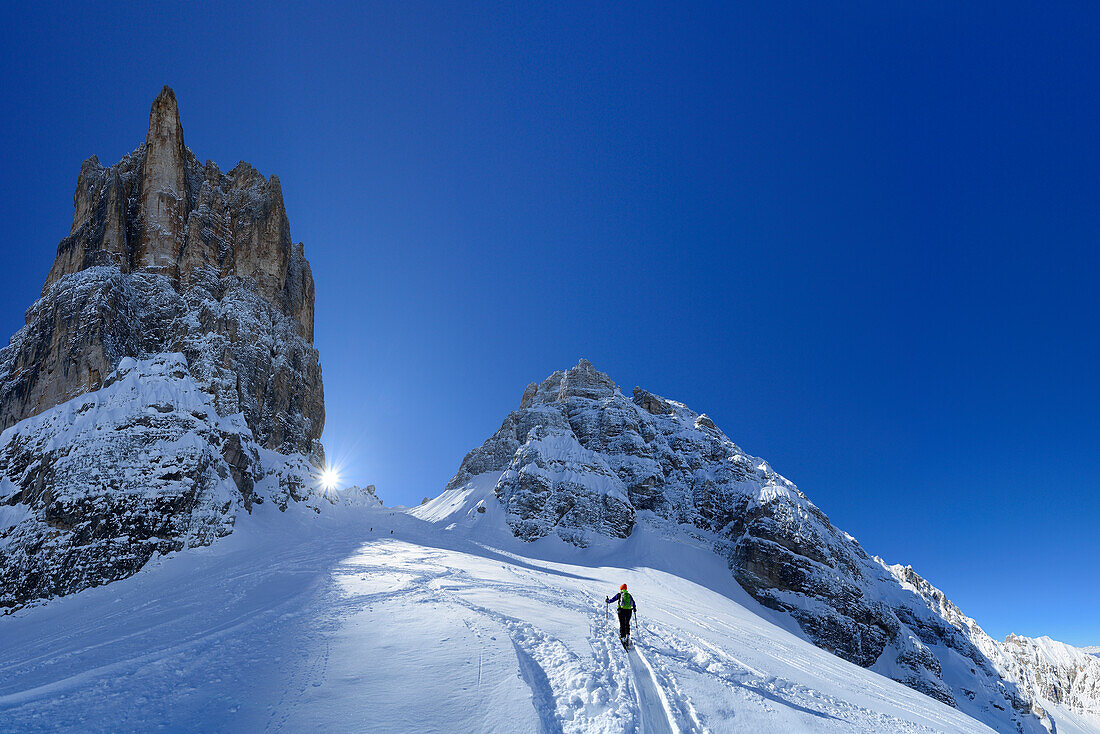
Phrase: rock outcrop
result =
(580, 460)
(172, 271)
(357, 496)
(1053, 671)
(169, 255)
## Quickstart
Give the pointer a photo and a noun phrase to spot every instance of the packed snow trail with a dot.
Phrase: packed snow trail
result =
(305, 622)
(655, 716)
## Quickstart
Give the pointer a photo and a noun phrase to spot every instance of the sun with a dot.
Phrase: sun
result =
(330, 478)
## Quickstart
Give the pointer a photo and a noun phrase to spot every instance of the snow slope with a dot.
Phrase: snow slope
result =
(367, 619)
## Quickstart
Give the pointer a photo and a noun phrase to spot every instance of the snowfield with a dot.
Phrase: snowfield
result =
(376, 620)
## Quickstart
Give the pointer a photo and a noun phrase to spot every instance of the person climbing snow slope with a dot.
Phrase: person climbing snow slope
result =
(626, 607)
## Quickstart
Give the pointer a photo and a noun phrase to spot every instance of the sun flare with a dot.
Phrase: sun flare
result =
(330, 478)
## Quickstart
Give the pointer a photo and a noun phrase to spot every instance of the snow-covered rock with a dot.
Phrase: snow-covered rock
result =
(165, 378)
(356, 496)
(580, 460)
(1055, 672)
(1051, 675)
(92, 488)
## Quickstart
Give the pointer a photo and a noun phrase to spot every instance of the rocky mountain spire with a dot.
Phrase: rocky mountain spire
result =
(159, 212)
(165, 379)
(164, 188)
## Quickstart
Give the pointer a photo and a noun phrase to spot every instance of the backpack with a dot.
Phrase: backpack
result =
(625, 602)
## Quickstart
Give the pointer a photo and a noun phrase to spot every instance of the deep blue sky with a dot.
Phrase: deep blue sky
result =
(863, 238)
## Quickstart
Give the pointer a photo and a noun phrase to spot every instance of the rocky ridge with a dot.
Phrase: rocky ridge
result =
(1054, 671)
(580, 460)
(182, 282)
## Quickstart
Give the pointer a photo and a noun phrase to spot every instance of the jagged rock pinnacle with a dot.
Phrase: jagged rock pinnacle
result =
(164, 118)
(164, 194)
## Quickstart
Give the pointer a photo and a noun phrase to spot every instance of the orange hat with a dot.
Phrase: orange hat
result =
(623, 587)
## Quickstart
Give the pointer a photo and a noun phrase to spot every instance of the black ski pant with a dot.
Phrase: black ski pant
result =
(624, 622)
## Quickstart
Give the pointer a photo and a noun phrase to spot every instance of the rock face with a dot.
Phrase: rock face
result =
(93, 487)
(172, 261)
(579, 460)
(169, 255)
(1054, 671)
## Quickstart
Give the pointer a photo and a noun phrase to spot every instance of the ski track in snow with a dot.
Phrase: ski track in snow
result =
(333, 629)
(652, 708)
(570, 693)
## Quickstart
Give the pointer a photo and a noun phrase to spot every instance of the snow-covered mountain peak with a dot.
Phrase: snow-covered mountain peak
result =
(577, 439)
(582, 463)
